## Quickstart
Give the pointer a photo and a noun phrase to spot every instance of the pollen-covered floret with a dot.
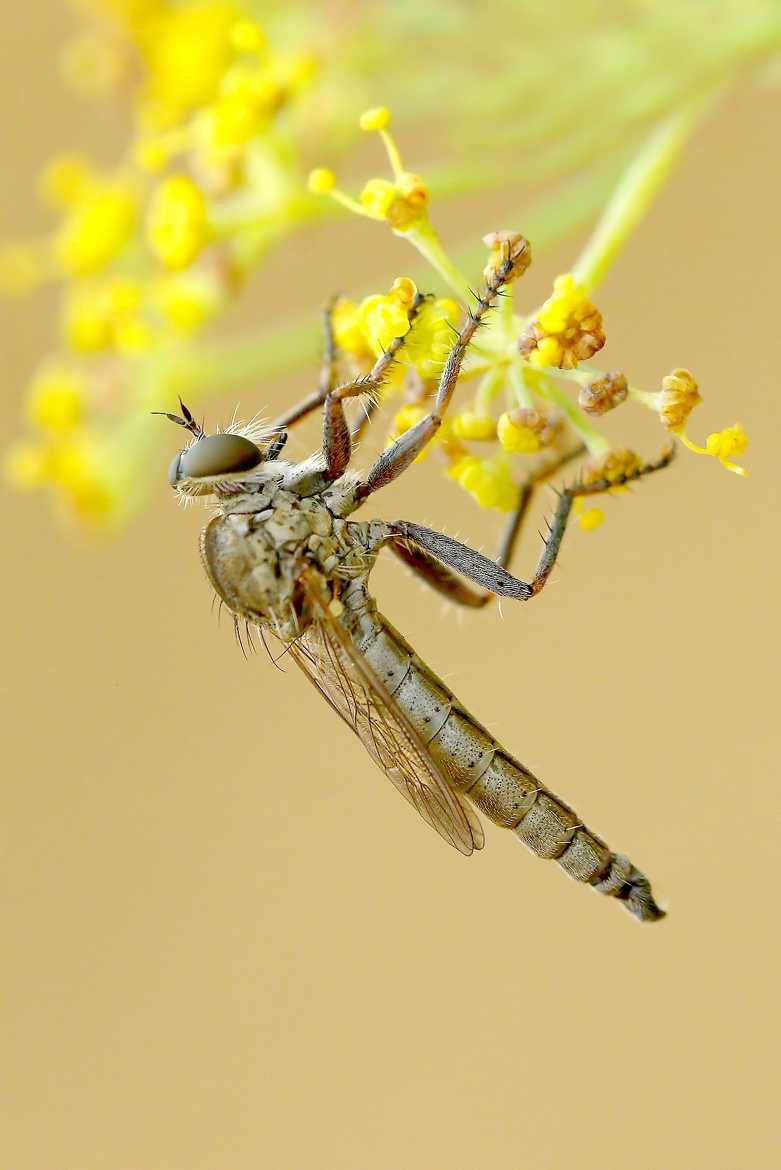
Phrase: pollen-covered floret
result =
(524, 431)
(566, 330)
(365, 330)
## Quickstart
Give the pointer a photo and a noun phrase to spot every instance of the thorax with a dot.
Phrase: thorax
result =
(256, 549)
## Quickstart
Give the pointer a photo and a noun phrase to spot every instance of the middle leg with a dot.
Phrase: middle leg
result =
(451, 583)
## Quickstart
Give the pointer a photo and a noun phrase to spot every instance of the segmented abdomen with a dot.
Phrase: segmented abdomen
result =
(490, 777)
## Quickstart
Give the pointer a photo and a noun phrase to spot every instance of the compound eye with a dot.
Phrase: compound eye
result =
(173, 469)
(218, 455)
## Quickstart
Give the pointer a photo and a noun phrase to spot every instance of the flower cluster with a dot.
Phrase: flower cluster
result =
(226, 112)
(148, 253)
(363, 331)
(519, 407)
(402, 202)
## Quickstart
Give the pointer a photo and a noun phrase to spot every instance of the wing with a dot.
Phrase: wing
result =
(344, 678)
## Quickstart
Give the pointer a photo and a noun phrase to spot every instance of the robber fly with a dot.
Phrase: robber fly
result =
(283, 556)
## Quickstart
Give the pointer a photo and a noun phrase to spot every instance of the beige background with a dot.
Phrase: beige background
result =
(227, 945)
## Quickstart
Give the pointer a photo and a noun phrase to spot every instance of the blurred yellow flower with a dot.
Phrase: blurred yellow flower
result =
(56, 399)
(177, 222)
(470, 424)
(488, 481)
(186, 49)
(97, 227)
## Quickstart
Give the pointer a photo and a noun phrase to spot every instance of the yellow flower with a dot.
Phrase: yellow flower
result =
(56, 399)
(589, 519)
(186, 49)
(488, 481)
(566, 330)
(321, 181)
(377, 118)
(86, 324)
(402, 202)
(248, 95)
(347, 326)
(97, 228)
(98, 314)
(187, 300)
(386, 317)
(431, 337)
(675, 402)
(405, 418)
(408, 416)
(177, 222)
(132, 335)
(152, 154)
(524, 431)
(82, 472)
(722, 445)
(470, 424)
(383, 318)
(247, 37)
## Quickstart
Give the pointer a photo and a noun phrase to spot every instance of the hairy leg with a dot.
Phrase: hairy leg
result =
(493, 576)
(327, 374)
(337, 434)
(397, 458)
(452, 584)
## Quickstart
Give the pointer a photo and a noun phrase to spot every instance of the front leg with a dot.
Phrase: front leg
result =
(337, 440)
(327, 374)
(398, 457)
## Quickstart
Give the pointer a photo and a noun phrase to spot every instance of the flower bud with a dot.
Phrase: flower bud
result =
(604, 394)
(509, 256)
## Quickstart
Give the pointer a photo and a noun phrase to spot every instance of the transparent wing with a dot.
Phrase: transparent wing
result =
(327, 655)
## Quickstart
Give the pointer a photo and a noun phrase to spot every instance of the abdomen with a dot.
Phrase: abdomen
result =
(498, 784)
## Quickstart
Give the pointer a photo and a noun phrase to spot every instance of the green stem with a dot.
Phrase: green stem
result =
(521, 392)
(423, 237)
(489, 387)
(636, 190)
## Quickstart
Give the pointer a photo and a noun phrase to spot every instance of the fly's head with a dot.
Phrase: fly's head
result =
(224, 464)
